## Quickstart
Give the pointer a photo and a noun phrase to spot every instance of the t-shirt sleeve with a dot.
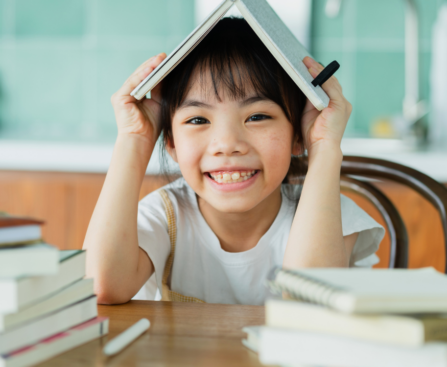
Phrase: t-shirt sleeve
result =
(153, 238)
(356, 220)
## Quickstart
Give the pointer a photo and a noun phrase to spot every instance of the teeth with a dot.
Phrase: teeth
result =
(232, 177)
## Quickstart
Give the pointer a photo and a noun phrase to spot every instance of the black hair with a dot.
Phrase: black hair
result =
(238, 62)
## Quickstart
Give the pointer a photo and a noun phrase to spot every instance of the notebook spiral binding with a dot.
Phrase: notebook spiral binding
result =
(302, 287)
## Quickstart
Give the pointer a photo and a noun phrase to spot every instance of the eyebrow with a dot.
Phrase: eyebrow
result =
(195, 103)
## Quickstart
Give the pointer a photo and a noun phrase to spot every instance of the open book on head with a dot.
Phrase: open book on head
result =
(272, 31)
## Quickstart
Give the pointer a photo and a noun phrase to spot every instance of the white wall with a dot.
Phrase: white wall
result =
(295, 13)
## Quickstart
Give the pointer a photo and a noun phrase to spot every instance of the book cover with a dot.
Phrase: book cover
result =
(272, 31)
(357, 290)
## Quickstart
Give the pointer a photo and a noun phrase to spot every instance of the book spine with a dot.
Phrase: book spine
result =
(435, 330)
(56, 344)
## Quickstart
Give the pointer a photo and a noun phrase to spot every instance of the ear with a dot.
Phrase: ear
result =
(297, 147)
(170, 147)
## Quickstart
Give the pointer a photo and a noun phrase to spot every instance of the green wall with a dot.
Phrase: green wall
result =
(367, 38)
(61, 60)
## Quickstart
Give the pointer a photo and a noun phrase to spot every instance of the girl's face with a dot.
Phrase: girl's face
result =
(233, 153)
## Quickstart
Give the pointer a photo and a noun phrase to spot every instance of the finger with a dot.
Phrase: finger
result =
(148, 63)
(332, 87)
(140, 74)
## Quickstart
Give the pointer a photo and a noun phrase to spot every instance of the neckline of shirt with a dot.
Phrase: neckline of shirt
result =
(211, 241)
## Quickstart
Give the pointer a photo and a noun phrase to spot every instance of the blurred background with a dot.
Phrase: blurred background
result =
(60, 62)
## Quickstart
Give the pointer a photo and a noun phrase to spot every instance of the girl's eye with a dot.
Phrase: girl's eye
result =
(258, 117)
(198, 121)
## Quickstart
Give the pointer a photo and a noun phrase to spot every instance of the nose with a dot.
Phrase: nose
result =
(228, 139)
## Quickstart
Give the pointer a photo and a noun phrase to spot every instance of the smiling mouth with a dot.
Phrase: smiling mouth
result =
(230, 177)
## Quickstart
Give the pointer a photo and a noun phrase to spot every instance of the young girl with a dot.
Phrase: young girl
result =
(232, 119)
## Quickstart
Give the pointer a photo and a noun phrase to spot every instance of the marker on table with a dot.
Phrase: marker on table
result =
(121, 341)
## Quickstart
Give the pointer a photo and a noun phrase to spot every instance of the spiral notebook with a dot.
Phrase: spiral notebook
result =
(272, 31)
(365, 290)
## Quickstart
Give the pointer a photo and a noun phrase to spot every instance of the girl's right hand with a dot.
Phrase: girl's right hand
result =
(135, 117)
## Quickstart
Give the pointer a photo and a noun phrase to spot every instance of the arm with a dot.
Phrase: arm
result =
(316, 237)
(114, 259)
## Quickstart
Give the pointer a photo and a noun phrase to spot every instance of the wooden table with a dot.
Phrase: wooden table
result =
(181, 334)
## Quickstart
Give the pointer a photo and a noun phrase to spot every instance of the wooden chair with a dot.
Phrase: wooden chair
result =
(356, 175)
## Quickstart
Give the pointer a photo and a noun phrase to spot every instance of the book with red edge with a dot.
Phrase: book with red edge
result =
(56, 344)
(43, 327)
(19, 230)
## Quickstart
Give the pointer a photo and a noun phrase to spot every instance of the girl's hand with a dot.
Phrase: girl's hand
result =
(325, 128)
(135, 117)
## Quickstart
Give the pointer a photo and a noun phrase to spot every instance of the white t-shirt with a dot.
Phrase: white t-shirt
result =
(202, 269)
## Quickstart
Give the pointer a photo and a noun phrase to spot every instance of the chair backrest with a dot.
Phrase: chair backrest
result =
(394, 224)
(354, 167)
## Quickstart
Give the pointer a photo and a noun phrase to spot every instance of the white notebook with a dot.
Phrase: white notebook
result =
(73, 293)
(272, 31)
(21, 292)
(30, 260)
(353, 290)
(295, 348)
(43, 327)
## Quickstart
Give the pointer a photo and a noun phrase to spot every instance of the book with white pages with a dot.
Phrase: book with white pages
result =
(297, 348)
(253, 337)
(56, 344)
(272, 31)
(73, 293)
(19, 230)
(359, 290)
(408, 330)
(43, 327)
(20, 292)
(28, 260)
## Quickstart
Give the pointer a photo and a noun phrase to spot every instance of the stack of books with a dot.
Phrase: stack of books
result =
(46, 307)
(354, 318)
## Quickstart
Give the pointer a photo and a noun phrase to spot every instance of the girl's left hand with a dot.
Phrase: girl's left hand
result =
(326, 127)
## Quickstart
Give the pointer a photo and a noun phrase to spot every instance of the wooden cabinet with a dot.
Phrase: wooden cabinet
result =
(66, 202)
